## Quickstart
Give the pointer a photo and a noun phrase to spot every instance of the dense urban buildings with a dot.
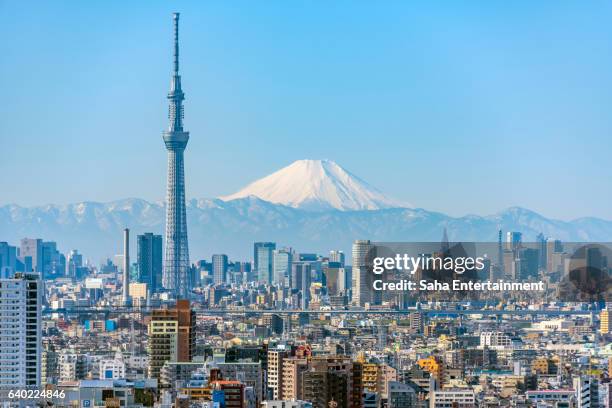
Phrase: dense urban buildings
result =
(293, 329)
(303, 339)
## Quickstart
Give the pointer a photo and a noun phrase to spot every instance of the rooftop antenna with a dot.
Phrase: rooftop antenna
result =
(175, 17)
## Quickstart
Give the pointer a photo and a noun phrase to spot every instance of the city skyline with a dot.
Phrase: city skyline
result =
(487, 100)
(311, 287)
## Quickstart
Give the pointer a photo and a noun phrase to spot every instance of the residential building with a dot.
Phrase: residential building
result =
(171, 336)
(20, 331)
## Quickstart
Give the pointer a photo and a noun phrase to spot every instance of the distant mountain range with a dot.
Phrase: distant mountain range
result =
(312, 206)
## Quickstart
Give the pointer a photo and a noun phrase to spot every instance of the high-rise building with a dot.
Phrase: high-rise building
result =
(334, 278)
(75, 261)
(219, 265)
(53, 262)
(125, 297)
(337, 256)
(500, 253)
(542, 250)
(275, 372)
(329, 378)
(281, 263)
(8, 260)
(171, 336)
(362, 293)
(20, 331)
(30, 252)
(301, 279)
(513, 240)
(245, 268)
(293, 368)
(42, 256)
(176, 267)
(149, 259)
(262, 256)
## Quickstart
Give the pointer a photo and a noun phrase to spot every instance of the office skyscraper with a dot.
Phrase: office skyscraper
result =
(8, 260)
(219, 267)
(542, 249)
(301, 279)
(75, 262)
(513, 240)
(42, 256)
(20, 329)
(262, 254)
(337, 256)
(176, 268)
(334, 277)
(30, 252)
(150, 261)
(362, 292)
(281, 265)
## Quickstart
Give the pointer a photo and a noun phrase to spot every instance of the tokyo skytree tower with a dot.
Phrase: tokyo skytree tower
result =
(176, 261)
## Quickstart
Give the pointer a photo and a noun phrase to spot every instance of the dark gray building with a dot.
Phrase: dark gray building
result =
(150, 261)
(219, 267)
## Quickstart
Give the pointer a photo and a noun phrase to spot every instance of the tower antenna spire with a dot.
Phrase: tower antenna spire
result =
(175, 17)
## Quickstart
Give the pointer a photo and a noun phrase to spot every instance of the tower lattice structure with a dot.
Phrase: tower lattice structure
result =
(176, 261)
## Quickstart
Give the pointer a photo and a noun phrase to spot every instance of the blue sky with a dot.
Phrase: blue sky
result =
(455, 107)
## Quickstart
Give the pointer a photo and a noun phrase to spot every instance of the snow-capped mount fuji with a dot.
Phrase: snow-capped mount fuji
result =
(317, 185)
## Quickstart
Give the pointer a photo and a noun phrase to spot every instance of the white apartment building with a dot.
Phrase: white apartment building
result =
(112, 369)
(587, 391)
(495, 339)
(275, 371)
(453, 398)
(20, 331)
